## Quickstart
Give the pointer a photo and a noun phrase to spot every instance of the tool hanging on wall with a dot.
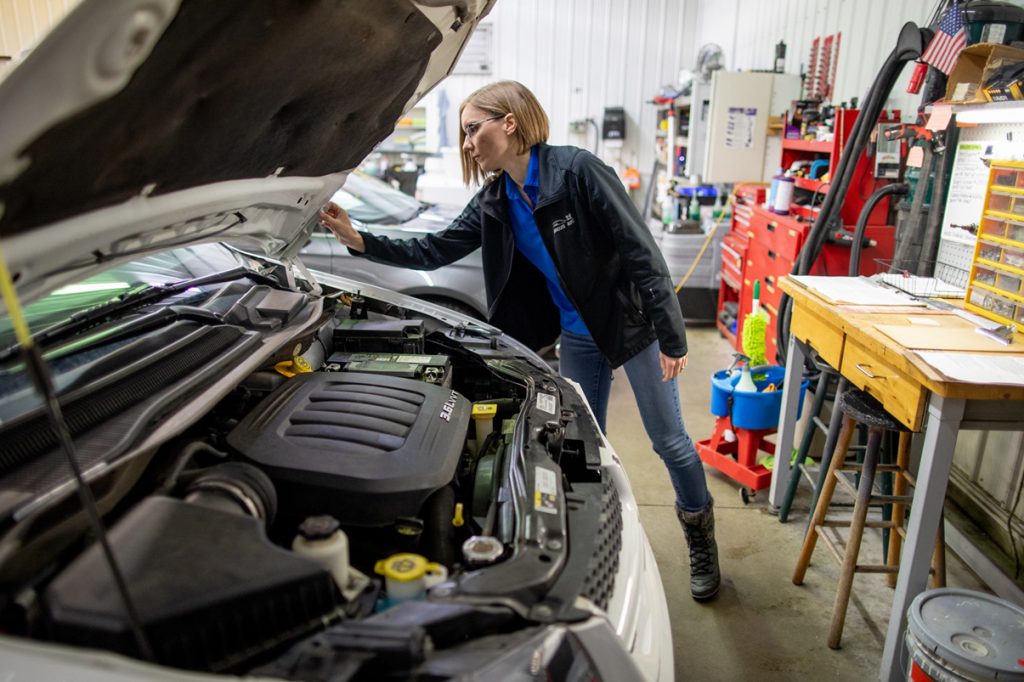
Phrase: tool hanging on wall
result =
(918, 228)
(821, 69)
(811, 84)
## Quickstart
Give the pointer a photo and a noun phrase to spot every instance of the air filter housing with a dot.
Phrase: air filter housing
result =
(210, 589)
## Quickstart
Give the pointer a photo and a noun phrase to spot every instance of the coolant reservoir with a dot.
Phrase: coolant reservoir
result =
(321, 538)
(407, 576)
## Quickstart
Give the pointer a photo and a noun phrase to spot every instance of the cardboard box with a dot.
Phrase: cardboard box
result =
(1008, 85)
(975, 63)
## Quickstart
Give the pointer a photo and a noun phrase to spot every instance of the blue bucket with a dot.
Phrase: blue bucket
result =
(751, 410)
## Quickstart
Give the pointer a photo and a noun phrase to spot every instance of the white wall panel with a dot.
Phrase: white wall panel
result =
(580, 56)
(749, 29)
(24, 22)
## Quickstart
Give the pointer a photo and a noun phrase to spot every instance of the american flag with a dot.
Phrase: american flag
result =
(945, 47)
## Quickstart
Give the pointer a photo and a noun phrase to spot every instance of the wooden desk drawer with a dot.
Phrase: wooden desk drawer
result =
(902, 397)
(818, 334)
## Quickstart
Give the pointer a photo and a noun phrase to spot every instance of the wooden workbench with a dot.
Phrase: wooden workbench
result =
(847, 337)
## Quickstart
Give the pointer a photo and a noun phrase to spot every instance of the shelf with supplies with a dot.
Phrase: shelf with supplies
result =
(410, 134)
(995, 287)
(819, 158)
(810, 185)
(990, 112)
(818, 146)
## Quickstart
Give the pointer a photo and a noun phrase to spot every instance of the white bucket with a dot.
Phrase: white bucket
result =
(956, 635)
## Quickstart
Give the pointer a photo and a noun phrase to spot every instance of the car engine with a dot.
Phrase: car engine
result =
(361, 465)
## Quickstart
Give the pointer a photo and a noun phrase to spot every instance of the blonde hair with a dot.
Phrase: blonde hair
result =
(499, 99)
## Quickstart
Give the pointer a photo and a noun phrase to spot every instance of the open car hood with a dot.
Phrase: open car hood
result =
(139, 125)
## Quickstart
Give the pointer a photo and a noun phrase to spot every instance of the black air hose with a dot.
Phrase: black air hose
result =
(909, 46)
(898, 189)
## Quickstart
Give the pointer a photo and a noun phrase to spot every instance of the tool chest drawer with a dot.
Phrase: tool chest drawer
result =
(902, 397)
(787, 236)
(763, 260)
(771, 294)
(782, 234)
(734, 249)
(741, 216)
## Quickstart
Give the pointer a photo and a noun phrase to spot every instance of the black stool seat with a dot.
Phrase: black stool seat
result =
(863, 408)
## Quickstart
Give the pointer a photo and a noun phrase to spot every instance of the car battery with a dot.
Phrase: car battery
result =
(433, 369)
(379, 336)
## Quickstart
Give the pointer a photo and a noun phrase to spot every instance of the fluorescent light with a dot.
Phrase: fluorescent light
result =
(90, 287)
(997, 112)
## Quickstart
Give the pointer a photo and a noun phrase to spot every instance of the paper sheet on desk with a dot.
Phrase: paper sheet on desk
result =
(855, 291)
(977, 368)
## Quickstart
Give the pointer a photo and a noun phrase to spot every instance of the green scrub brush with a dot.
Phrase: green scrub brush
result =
(754, 327)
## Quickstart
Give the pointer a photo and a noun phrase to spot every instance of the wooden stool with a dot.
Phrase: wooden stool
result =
(858, 407)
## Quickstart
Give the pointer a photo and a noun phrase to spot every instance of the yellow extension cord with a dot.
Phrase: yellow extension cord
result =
(704, 247)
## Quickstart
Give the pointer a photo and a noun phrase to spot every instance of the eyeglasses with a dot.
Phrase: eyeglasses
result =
(473, 127)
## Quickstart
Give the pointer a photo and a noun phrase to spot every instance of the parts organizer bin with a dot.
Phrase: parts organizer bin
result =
(996, 285)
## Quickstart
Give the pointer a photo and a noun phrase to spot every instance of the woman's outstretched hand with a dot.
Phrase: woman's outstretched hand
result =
(671, 367)
(334, 218)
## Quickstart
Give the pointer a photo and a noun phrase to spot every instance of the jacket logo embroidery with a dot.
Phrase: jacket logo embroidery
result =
(561, 223)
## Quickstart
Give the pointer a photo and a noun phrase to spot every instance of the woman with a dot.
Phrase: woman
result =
(565, 252)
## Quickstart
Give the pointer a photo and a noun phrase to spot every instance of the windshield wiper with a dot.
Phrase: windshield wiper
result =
(135, 298)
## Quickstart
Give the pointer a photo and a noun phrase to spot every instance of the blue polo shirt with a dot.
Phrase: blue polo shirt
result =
(530, 244)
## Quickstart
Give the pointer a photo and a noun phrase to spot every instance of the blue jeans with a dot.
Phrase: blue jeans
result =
(582, 361)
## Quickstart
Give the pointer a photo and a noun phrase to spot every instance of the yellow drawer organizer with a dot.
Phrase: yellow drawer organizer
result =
(996, 285)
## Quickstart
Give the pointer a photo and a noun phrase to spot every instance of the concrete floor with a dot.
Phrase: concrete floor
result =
(760, 626)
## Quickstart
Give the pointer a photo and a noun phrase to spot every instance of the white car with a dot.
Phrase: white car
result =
(278, 474)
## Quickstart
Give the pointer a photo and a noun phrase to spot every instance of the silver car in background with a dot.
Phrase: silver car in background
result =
(376, 207)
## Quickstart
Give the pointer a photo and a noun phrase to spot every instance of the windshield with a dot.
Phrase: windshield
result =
(163, 268)
(369, 200)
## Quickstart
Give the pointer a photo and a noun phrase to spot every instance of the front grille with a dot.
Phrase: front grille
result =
(604, 564)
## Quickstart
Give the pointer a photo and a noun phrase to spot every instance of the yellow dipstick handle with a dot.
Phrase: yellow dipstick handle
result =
(10, 297)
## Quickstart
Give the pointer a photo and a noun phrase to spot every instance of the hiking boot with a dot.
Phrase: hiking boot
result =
(699, 527)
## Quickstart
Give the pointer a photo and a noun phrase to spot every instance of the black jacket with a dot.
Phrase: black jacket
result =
(607, 260)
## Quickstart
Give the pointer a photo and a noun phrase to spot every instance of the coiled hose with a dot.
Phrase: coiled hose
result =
(899, 189)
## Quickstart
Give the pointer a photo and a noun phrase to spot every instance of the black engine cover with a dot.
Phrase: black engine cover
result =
(365, 448)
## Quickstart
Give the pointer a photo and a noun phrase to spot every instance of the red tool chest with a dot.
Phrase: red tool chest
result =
(763, 246)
